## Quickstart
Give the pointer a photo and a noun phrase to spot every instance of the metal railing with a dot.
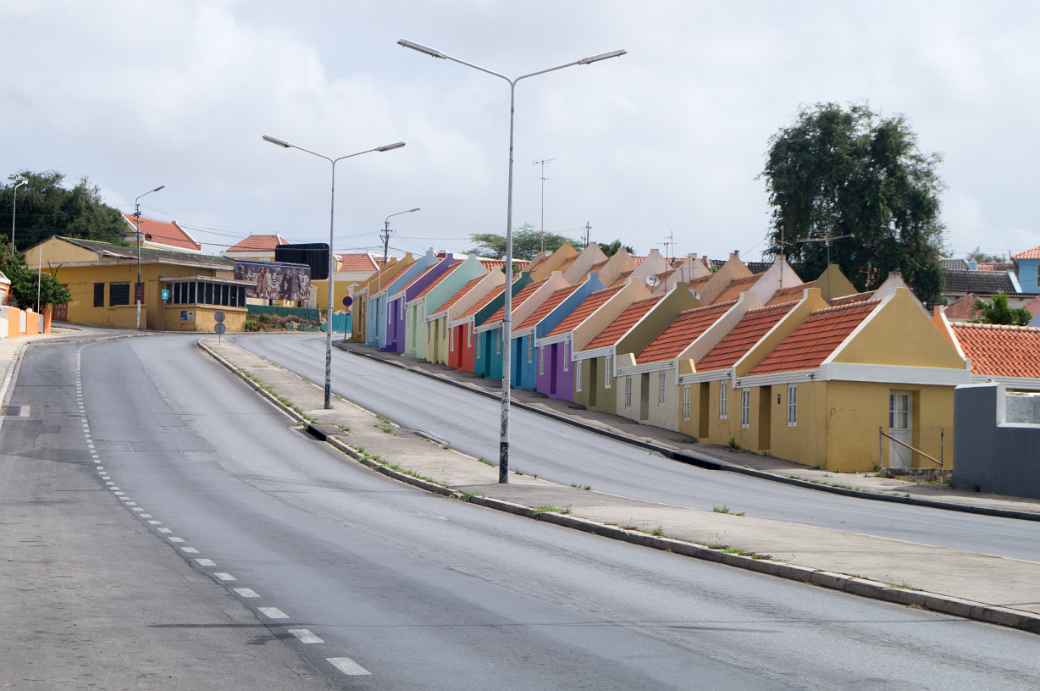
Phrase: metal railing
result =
(882, 435)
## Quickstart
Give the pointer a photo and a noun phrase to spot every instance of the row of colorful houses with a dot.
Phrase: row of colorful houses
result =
(813, 372)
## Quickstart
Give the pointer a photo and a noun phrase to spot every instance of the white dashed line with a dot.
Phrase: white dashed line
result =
(348, 666)
(146, 515)
(116, 492)
(189, 550)
(165, 531)
(273, 613)
(224, 576)
(205, 562)
(138, 509)
(305, 636)
(247, 593)
(155, 522)
(175, 539)
(131, 503)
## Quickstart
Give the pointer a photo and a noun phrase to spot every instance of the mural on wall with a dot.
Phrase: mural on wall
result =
(275, 280)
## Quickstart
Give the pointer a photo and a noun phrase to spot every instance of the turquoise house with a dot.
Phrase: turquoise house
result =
(527, 363)
(391, 326)
(488, 356)
(428, 301)
(1027, 267)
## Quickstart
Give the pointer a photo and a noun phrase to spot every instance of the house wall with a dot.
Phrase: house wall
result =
(562, 365)
(664, 400)
(525, 362)
(624, 405)
(994, 456)
(202, 318)
(1029, 275)
(603, 384)
(415, 331)
(806, 442)
(488, 358)
(464, 354)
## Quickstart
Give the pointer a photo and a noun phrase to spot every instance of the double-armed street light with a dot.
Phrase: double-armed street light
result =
(14, 205)
(503, 453)
(332, 257)
(139, 287)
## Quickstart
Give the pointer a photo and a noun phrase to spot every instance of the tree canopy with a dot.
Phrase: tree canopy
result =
(612, 248)
(997, 311)
(527, 243)
(24, 281)
(979, 256)
(846, 171)
(46, 207)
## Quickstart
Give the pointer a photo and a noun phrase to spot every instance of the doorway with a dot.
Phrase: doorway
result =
(901, 427)
(644, 396)
(553, 353)
(765, 417)
(592, 382)
(702, 409)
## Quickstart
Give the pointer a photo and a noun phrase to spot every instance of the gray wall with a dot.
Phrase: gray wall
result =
(992, 458)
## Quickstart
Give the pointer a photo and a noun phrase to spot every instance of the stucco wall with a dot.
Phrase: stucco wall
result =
(605, 399)
(563, 367)
(993, 457)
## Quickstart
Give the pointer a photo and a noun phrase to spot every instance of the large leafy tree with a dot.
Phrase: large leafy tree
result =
(527, 243)
(612, 248)
(46, 207)
(997, 311)
(846, 171)
(24, 281)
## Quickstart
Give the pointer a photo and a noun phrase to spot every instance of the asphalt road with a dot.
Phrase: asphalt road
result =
(424, 592)
(570, 455)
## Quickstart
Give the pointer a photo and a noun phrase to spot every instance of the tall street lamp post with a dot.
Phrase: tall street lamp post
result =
(507, 319)
(14, 206)
(386, 231)
(139, 287)
(332, 257)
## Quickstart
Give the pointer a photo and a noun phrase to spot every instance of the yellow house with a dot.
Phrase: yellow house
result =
(351, 269)
(821, 382)
(361, 291)
(182, 290)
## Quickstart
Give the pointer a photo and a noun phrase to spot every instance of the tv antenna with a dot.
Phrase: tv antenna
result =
(543, 179)
(669, 245)
(827, 239)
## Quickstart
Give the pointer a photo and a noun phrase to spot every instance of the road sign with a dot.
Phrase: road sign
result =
(218, 316)
(220, 328)
(165, 294)
(348, 301)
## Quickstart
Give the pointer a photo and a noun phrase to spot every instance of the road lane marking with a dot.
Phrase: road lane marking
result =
(205, 562)
(138, 509)
(273, 613)
(175, 539)
(247, 593)
(224, 576)
(348, 666)
(146, 515)
(155, 522)
(189, 550)
(305, 636)
(165, 531)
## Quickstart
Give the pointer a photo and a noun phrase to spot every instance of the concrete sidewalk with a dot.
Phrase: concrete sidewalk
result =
(683, 448)
(978, 586)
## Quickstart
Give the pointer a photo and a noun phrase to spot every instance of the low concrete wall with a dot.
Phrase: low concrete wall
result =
(993, 455)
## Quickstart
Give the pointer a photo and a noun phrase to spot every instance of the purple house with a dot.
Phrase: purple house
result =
(396, 324)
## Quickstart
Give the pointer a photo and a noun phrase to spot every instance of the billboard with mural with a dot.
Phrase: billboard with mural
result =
(276, 281)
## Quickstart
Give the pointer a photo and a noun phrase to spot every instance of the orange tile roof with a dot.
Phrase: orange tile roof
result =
(788, 294)
(437, 281)
(546, 307)
(460, 293)
(1000, 351)
(624, 321)
(734, 289)
(163, 233)
(590, 304)
(518, 299)
(259, 243)
(1033, 253)
(492, 264)
(751, 327)
(360, 261)
(684, 330)
(815, 339)
(483, 302)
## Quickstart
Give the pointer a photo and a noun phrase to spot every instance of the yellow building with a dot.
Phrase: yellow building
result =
(182, 290)
(816, 382)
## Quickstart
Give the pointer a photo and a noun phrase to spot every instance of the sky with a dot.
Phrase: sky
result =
(669, 139)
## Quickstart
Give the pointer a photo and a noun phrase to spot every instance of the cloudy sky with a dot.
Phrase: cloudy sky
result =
(668, 139)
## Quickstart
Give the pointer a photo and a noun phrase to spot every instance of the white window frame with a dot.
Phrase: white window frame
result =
(451, 341)
(469, 335)
(577, 376)
(566, 356)
(686, 404)
(792, 405)
(541, 361)
(723, 401)
(530, 350)
(608, 361)
(662, 382)
(498, 342)
(745, 408)
(628, 391)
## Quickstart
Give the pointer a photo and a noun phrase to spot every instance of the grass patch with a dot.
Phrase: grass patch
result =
(487, 462)
(579, 486)
(733, 444)
(385, 425)
(722, 508)
(549, 508)
(657, 532)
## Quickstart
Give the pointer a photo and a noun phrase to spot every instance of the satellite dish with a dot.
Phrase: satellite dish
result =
(652, 281)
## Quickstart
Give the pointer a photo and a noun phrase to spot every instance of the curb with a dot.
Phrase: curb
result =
(702, 460)
(12, 372)
(876, 590)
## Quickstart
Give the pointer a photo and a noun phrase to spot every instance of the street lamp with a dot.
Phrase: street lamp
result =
(14, 205)
(507, 319)
(139, 287)
(386, 230)
(332, 215)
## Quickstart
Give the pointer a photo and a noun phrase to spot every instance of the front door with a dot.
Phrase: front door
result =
(764, 417)
(702, 402)
(593, 381)
(644, 396)
(901, 427)
(554, 352)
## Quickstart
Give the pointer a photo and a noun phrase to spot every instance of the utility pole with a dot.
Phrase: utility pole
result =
(543, 179)
(669, 245)
(14, 206)
(588, 233)
(385, 235)
(139, 286)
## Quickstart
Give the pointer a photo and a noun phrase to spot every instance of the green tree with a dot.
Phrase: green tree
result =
(612, 248)
(841, 171)
(46, 208)
(527, 243)
(979, 256)
(24, 281)
(997, 311)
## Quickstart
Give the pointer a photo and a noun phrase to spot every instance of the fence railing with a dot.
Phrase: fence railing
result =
(882, 435)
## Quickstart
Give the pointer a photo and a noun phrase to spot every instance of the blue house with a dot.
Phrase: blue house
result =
(1027, 266)
(488, 355)
(378, 334)
(526, 364)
